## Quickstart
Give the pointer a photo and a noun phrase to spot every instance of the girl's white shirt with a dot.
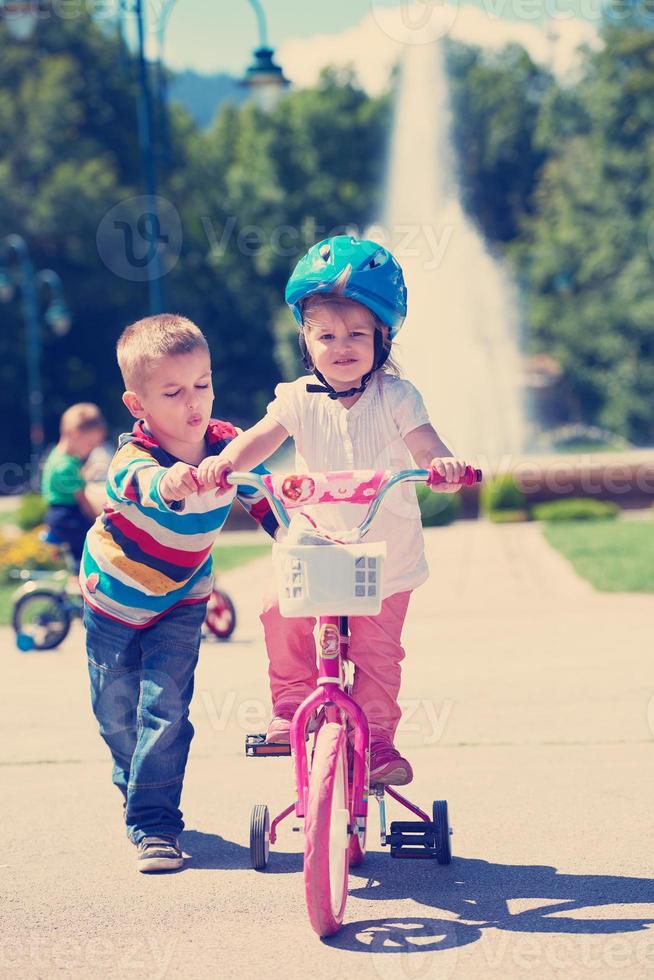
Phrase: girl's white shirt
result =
(367, 436)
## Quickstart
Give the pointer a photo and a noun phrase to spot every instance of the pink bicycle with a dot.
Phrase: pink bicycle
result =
(332, 780)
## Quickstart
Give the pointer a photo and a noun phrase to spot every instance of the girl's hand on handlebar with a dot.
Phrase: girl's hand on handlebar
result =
(212, 473)
(451, 473)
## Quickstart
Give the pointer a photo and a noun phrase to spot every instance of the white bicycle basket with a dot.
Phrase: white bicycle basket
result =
(332, 580)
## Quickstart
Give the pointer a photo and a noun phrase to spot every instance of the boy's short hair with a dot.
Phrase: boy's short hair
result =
(145, 342)
(82, 417)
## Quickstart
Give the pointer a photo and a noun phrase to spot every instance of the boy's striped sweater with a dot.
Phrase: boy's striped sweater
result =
(142, 556)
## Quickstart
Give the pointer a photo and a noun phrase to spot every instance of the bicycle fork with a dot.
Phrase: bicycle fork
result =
(337, 704)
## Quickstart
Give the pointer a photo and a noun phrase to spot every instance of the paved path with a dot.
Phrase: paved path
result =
(526, 699)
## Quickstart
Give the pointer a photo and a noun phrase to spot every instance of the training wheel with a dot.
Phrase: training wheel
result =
(259, 836)
(442, 833)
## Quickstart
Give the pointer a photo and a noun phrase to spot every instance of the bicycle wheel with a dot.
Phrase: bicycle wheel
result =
(357, 849)
(40, 620)
(221, 615)
(326, 832)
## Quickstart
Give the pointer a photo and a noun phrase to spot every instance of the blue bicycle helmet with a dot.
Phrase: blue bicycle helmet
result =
(356, 269)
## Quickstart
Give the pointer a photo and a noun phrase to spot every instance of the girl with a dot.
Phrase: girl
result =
(349, 299)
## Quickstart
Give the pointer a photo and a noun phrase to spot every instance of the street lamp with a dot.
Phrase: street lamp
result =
(20, 16)
(58, 318)
(57, 314)
(264, 79)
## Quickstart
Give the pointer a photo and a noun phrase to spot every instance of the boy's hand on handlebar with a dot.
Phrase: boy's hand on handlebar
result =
(448, 473)
(212, 473)
(178, 482)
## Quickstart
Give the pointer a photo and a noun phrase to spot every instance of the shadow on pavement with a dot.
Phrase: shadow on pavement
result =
(478, 892)
(210, 851)
(409, 934)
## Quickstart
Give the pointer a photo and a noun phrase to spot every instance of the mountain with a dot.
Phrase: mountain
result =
(202, 95)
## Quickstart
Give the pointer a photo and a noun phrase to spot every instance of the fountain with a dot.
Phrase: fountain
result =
(460, 341)
(459, 344)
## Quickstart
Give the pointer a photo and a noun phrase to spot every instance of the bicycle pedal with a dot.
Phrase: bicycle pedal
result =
(256, 746)
(412, 839)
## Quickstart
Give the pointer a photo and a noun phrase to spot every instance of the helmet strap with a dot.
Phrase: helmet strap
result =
(326, 389)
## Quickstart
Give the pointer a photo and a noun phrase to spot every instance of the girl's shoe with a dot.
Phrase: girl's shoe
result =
(279, 729)
(159, 853)
(387, 766)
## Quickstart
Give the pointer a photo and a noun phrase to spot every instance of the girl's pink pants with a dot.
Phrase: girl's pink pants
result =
(375, 650)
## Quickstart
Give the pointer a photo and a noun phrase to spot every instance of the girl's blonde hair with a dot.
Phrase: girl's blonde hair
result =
(319, 300)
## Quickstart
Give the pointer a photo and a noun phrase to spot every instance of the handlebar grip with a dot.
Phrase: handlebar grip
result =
(470, 477)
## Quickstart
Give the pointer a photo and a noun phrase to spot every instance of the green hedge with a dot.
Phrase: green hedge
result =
(437, 509)
(575, 509)
(501, 493)
(508, 516)
(31, 512)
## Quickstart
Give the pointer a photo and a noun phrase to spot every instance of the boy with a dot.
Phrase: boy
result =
(70, 513)
(146, 575)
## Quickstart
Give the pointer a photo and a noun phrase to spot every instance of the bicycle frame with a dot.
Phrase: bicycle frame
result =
(330, 694)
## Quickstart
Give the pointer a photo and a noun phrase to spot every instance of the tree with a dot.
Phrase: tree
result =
(247, 193)
(496, 100)
(585, 257)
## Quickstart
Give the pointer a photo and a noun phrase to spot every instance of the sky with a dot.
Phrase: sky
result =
(211, 36)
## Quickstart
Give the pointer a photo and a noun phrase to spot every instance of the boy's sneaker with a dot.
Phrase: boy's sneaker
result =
(387, 766)
(159, 853)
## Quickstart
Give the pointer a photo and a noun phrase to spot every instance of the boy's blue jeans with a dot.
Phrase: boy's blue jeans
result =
(141, 689)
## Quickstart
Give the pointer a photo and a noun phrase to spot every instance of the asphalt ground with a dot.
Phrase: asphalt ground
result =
(528, 704)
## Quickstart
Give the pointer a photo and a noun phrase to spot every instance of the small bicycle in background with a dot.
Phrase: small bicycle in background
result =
(47, 603)
(333, 579)
(220, 621)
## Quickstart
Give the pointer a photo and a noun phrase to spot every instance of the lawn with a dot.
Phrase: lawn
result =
(8, 516)
(225, 558)
(6, 592)
(613, 556)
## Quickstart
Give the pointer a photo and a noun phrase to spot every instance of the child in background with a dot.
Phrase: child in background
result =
(70, 512)
(146, 575)
(349, 299)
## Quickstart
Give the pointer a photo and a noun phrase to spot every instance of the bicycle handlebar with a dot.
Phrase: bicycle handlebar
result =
(288, 491)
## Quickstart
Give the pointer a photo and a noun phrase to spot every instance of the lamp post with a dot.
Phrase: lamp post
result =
(57, 317)
(144, 124)
(264, 79)
(162, 81)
